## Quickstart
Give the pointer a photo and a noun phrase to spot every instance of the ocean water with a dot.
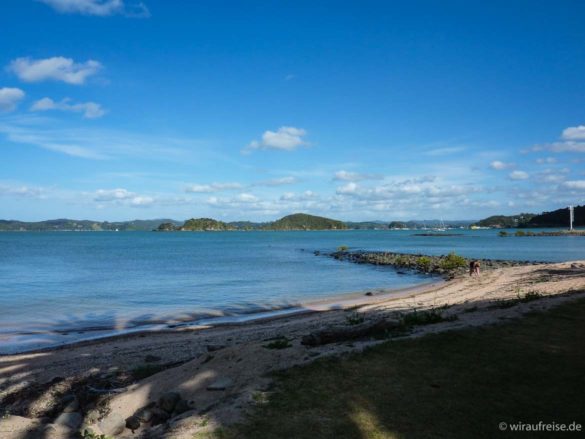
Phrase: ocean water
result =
(65, 286)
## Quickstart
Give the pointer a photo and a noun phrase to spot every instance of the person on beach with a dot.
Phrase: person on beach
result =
(474, 268)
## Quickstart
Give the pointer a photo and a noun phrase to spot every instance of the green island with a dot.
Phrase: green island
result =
(297, 221)
(556, 218)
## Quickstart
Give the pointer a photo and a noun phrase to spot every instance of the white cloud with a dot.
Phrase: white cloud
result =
(277, 181)
(348, 189)
(56, 68)
(354, 176)
(575, 184)
(305, 196)
(93, 143)
(574, 133)
(21, 191)
(247, 198)
(90, 110)
(213, 187)
(9, 98)
(284, 139)
(498, 165)
(518, 175)
(546, 160)
(101, 8)
(122, 196)
(572, 140)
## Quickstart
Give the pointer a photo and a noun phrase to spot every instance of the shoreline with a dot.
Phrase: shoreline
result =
(219, 372)
(340, 301)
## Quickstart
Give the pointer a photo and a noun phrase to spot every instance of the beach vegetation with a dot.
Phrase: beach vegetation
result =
(386, 390)
(520, 298)
(424, 317)
(354, 319)
(453, 261)
(89, 434)
(423, 263)
(401, 261)
(278, 343)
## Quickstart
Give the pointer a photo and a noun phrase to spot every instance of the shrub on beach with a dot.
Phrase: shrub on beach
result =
(424, 263)
(453, 261)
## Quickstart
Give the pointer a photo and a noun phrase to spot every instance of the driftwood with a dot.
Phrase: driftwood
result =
(335, 335)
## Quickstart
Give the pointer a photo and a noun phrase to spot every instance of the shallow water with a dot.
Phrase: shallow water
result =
(59, 287)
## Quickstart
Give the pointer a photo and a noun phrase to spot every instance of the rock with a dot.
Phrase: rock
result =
(92, 416)
(113, 424)
(133, 423)
(221, 384)
(168, 401)
(73, 406)
(181, 407)
(66, 399)
(72, 420)
(369, 293)
(214, 347)
(145, 414)
(152, 359)
(159, 416)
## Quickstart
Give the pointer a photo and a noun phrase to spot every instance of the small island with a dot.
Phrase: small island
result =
(297, 221)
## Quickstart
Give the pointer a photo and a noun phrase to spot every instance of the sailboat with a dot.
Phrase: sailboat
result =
(442, 227)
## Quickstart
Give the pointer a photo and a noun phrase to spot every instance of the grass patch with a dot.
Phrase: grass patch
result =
(528, 297)
(278, 343)
(354, 319)
(423, 263)
(146, 370)
(453, 261)
(457, 384)
(426, 317)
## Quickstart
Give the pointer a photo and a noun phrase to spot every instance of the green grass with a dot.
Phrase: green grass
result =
(453, 261)
(279, 343)
(425, 317)
(354, 319)
(528, 297)
(457, 384)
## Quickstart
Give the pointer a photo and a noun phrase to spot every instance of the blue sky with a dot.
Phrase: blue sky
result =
(119, 109)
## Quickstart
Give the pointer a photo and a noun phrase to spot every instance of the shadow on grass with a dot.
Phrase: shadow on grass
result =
(457, 384)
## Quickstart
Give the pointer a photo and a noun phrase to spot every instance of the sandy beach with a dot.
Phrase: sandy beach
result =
(213, 375)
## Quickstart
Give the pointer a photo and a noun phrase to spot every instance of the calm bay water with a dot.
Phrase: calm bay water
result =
(59, 287)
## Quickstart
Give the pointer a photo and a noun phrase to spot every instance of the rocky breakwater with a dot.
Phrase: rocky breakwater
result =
(448, 266)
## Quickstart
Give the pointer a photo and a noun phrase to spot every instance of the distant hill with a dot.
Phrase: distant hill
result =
(205, 224)
(366, 225)
(302, 221)
(558, 218)
(68, 225)
(503, 221)
(246, 225)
